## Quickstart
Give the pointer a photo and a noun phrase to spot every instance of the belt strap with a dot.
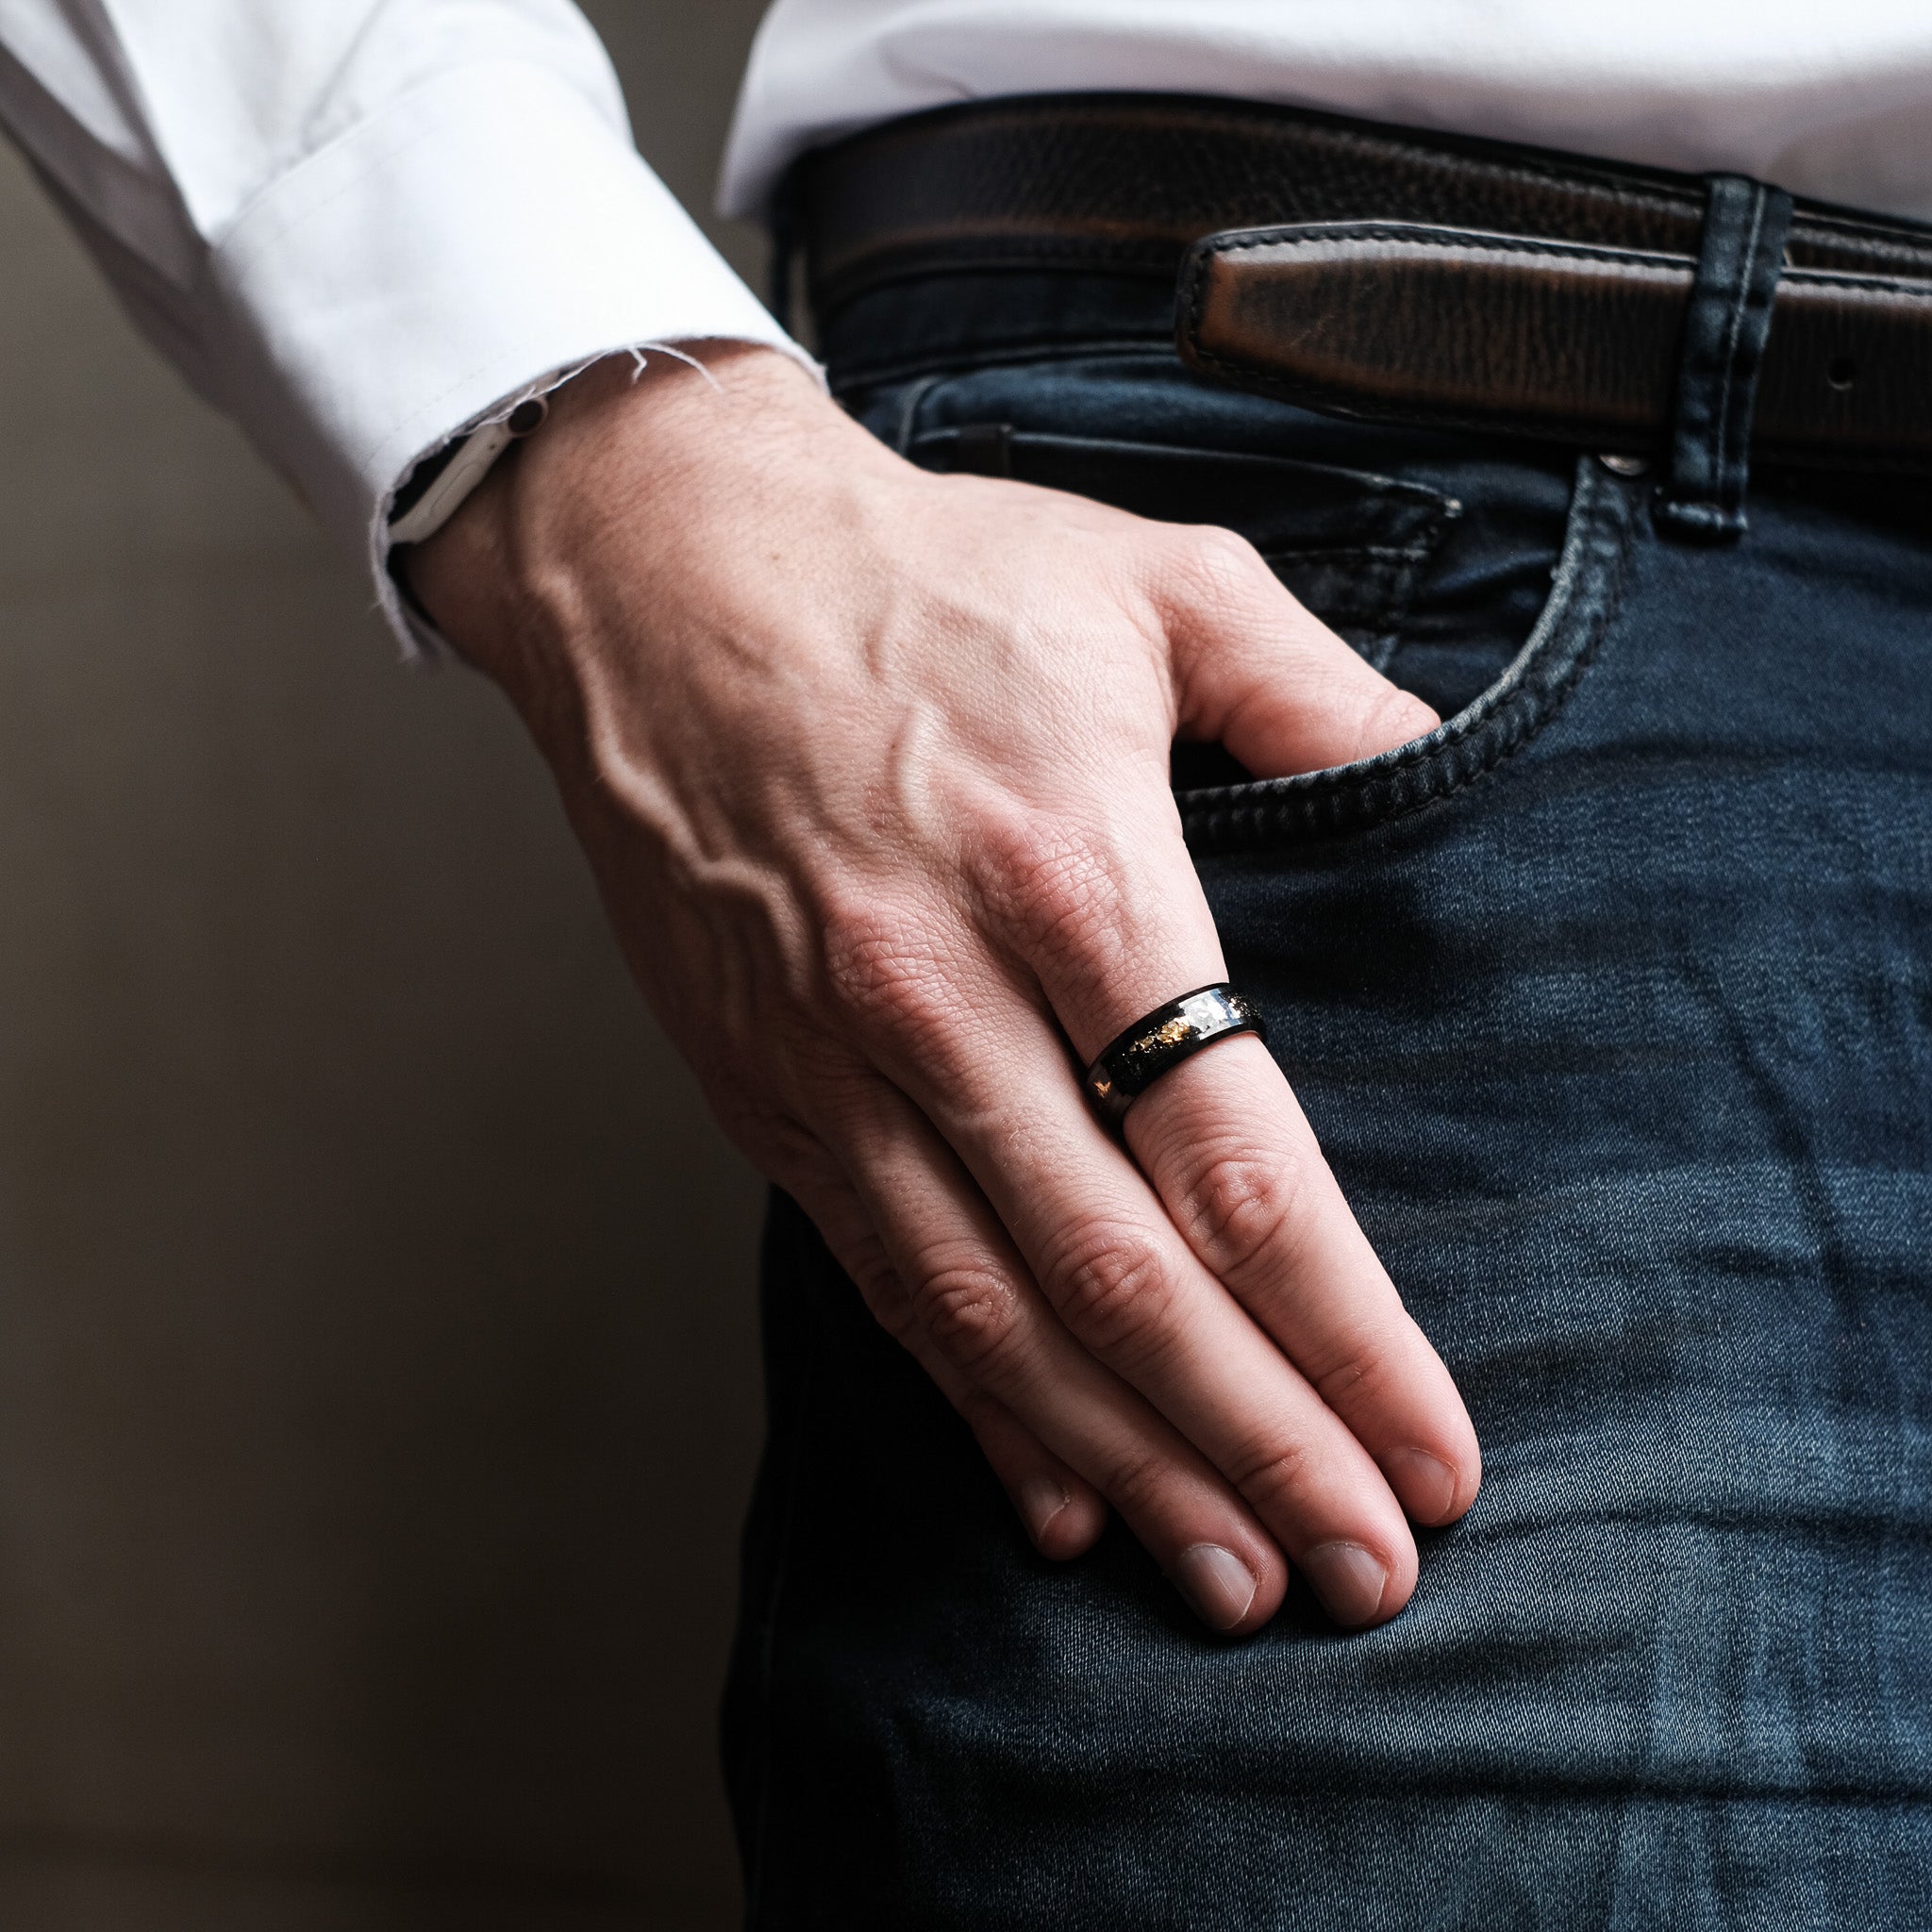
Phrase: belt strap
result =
(1382, 273)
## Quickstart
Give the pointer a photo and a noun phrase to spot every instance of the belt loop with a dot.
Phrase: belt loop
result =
(1741, 256)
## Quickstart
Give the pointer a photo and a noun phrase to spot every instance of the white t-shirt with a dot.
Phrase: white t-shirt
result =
(361, 226)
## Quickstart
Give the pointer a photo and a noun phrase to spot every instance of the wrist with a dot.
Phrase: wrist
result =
(622, 449)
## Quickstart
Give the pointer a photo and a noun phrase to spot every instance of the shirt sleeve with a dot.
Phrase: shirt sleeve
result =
(360, 226)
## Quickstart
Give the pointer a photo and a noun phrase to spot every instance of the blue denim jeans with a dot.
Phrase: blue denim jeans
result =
(1610, 1002)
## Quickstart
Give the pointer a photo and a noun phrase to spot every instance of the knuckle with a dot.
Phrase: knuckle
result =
(1241, 1206)
(885, 971)
(774, 1142)
(1365, 1374)
(1113, 1286)
(1061, 888)
(971, 1309)
(1278, 1479)
(885, 1297)
(1084, 887)
(1047, 875)
(880, 1288)
(1134, 1479)
(1220, 562)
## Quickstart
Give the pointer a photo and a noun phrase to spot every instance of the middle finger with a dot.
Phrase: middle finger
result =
(1101, 1245)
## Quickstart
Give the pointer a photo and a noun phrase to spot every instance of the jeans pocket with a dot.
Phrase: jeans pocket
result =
(1474, 574)
(1351, 545)
(1585, 585)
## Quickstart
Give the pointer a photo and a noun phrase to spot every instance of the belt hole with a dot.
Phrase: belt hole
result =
(1841, 372)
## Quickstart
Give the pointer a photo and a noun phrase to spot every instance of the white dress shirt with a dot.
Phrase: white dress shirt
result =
(361, 226)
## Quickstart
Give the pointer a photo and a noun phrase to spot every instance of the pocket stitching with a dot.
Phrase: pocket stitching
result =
(1489, 729)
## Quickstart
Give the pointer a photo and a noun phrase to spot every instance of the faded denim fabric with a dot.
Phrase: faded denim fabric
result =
(1610, 1003)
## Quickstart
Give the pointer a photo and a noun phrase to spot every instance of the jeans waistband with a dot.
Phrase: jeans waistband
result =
(1383, 274)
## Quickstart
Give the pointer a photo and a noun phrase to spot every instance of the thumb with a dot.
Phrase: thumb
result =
(1256, 672)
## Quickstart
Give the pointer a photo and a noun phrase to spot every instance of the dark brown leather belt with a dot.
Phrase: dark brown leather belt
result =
(1375, 271)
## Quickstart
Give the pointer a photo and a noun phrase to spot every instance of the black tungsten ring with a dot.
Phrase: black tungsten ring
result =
(1159, 1042)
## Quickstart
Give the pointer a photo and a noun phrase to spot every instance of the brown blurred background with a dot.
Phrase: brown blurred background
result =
(377, 1376)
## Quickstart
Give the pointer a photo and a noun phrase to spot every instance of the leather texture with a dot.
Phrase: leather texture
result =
(1375, 272)
(1393, 321)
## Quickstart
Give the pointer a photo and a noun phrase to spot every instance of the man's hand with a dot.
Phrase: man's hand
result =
(872, 768)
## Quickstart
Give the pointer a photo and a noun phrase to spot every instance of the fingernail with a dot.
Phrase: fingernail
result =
(1041, 1500)
(1349, 1580)
(1426, 1483)
(1218, 1584)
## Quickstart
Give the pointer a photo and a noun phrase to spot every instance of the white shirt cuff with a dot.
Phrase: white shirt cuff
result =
(479, 238)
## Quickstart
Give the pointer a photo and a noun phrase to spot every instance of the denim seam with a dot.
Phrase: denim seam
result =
(1423, 499)
(1365, 553)
(1493, 727)
(1150, 260)
(909, 406)
(970, 360)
